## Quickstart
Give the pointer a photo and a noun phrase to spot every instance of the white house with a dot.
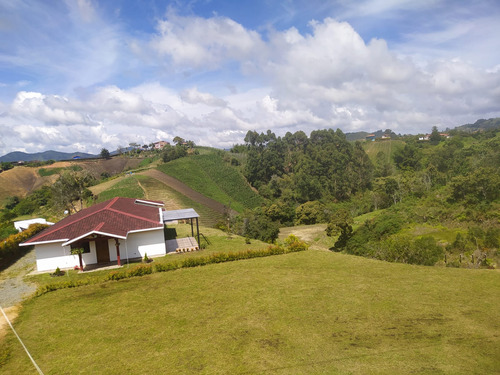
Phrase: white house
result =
(24, 224)
(118, 229)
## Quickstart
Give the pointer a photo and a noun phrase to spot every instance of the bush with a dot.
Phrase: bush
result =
(140, 270)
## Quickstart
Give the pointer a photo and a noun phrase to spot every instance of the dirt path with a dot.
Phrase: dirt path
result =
(186, 190)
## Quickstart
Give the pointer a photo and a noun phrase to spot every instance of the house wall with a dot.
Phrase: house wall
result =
(53, 255)
(151, 242)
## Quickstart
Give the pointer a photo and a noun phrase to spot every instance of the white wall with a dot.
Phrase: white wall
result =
(151, 242)
(53, 255)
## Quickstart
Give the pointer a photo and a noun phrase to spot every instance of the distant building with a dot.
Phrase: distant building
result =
(24, 224)
(160, 144)
(370, 137)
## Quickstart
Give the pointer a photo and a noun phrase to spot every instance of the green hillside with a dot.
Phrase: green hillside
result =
(387, 147)
(210, 175)
(314, 312)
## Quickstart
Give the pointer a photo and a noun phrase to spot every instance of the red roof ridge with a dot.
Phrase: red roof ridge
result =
(99, 226)
(132, 215)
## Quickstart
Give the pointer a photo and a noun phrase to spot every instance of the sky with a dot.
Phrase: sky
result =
(82, 75)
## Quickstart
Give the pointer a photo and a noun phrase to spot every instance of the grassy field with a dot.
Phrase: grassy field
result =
(127, 188)
(211, 176)
(313, 312)
(387, 147)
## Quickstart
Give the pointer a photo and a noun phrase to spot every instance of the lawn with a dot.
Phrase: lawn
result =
(313, 312)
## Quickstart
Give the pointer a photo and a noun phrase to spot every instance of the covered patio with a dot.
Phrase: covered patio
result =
(185, 244)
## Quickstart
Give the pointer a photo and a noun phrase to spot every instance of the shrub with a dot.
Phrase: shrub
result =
(57, 272)
(140, 270)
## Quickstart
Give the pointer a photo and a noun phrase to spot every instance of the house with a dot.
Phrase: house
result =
(159, 145)
(111, 231)
(24, 224)
(370, 138)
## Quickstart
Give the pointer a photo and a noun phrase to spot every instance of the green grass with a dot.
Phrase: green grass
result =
(387, 147)
(127, 188)
(159, 191)
(313, 312)
(214, 178)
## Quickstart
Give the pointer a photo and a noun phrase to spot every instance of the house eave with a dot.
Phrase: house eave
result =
(92, 233)
(42, 242)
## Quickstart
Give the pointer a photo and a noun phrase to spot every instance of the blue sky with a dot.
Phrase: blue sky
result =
(86, 74)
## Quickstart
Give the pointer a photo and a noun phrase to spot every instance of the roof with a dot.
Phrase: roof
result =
(115, 218)
(187, 213)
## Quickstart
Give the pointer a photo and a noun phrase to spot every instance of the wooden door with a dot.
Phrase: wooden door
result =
(102, 251)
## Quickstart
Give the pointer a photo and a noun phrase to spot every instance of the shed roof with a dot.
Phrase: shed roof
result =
(187, 213)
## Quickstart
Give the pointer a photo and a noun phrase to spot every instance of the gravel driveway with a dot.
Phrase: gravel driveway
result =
(12, 286)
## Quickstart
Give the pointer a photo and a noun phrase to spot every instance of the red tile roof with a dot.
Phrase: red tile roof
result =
(115, 217)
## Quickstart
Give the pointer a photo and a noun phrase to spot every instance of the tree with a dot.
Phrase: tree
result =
(435, 137)
(105, 153)
(71, 187)
(78, 251)
(341, 222)
(178, 140)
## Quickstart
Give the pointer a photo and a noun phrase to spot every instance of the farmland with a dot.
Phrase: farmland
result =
(208, 174)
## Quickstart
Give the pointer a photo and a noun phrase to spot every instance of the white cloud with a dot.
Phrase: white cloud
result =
(195, 42)
(193, 96)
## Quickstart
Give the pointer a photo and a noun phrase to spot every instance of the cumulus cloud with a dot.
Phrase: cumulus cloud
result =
(196, 42)
(284, 80)
(193, 96)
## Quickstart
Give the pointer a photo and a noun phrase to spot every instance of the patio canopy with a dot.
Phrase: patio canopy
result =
(185, 214)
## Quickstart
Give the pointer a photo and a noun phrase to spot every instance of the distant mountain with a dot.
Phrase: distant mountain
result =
(481, 124)
(43, 156)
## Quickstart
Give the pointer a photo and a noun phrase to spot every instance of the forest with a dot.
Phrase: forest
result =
(450, 180)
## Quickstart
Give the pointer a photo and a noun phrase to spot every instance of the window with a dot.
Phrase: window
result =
(84, 245)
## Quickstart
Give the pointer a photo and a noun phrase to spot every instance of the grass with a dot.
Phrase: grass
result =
(157, 190)
(387, 147)
(127, 188)
(214, 178)
(313, 312)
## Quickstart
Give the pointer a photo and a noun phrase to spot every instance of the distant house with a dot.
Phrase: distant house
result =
(370, 138)
(24, 224)
(76, 157)
(159, 145)
(385, 137)
(111, 231)
(424, 137)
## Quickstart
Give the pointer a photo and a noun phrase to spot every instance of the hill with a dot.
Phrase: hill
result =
(480, 125)
(43, 156)
(314, 312)
(215, 178)
(22, 180)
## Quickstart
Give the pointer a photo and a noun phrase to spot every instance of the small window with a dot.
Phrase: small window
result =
(84, 245)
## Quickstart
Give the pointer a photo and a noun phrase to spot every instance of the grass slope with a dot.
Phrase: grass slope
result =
(314, 312)
(214, 178)
(387, 147)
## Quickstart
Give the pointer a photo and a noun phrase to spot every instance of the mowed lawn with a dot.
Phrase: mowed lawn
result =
(313, 312)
